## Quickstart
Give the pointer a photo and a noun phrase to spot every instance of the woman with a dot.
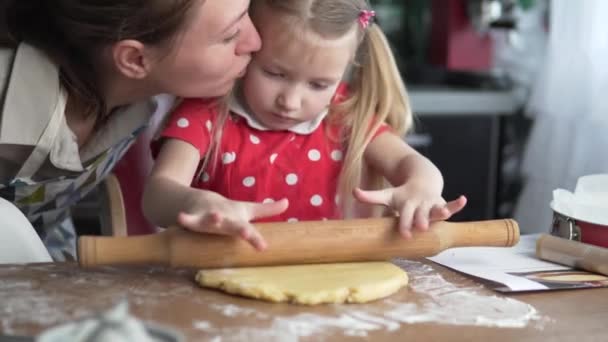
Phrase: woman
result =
(78, 88)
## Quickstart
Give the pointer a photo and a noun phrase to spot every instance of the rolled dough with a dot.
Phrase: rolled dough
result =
(309, 284)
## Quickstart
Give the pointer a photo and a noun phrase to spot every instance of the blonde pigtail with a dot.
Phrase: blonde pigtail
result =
(378, 96)
(210, 161)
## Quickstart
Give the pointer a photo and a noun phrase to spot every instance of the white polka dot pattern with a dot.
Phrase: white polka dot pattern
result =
(316, 200)
(273, 157)
(205, 177)
(336, 155)
(314, 155)
(183, 123)
(254, 140)
(228, 158)
(292, 220)
(209, 125)
(291, 179)
(249, 182)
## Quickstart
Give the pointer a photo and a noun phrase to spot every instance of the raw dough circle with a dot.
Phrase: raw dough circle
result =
(309, 284)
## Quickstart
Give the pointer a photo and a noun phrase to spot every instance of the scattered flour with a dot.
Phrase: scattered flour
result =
(35, 306)
(442, 302)
(437, 301)
(201, 325)
(234, 311)
(32, 306)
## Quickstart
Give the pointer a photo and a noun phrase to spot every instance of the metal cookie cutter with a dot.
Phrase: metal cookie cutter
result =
(565, 227)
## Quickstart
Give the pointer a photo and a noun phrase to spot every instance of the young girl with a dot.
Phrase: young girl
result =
(294, 142)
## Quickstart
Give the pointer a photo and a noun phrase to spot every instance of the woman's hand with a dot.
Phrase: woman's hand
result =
(416, 205)
(216, 214)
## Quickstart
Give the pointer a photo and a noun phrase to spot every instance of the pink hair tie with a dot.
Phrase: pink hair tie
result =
(366, 17)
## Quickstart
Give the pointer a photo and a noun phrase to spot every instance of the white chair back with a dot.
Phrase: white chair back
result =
(19, 243)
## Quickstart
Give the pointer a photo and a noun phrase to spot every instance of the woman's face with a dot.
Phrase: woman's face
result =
(211, 53)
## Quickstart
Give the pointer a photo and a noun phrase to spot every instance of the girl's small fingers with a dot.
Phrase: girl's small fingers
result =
(261, 210)
(253, 236)
(421, 217)
(206, 223)
(383, 197)
(258, 242)
(211, 221)
(456, 205)
(439, 212)
(190, 221)
(235, 228)
(214, 223)
(406, 216)
(444, 212)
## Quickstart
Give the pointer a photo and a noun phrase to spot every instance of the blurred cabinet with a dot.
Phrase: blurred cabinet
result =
(460, 132)
(465, 148)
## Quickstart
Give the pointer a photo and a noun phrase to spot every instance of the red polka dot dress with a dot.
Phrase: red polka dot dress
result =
(263, 165)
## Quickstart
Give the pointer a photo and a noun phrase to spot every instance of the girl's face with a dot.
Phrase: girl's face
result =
(212, 52)
(293, 79)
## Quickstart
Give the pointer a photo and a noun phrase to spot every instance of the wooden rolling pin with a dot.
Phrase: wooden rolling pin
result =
(572, 253)
(295, 243)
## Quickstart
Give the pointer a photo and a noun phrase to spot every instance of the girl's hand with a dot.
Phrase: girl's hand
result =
(416, 205)
(219, 215)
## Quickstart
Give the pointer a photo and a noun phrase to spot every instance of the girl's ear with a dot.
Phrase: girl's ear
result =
(130, 58)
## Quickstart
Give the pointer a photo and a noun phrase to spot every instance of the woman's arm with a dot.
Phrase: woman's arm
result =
(417, 184)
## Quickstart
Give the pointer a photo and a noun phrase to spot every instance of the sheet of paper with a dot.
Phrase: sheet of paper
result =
(516, 267)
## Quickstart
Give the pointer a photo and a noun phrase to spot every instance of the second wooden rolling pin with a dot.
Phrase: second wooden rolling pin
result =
(295, 243)
(572, 253)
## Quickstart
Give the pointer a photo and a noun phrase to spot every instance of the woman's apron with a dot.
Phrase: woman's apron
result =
(46, 203)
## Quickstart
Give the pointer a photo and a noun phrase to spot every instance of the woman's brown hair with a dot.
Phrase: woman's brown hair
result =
(74, 32)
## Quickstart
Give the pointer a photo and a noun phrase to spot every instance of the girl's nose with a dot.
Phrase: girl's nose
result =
(289, 101)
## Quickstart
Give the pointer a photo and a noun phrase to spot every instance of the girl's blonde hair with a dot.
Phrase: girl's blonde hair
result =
(377, 92)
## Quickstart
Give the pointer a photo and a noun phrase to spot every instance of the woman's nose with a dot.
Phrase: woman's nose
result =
(250, 40)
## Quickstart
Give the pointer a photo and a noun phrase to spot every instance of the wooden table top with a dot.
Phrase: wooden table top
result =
(437, 305)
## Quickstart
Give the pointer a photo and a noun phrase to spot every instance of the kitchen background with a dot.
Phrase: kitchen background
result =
(467, 102)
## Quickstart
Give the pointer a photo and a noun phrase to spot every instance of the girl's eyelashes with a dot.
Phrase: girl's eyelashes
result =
(273, 73)
(232, 37)
(318, 86)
